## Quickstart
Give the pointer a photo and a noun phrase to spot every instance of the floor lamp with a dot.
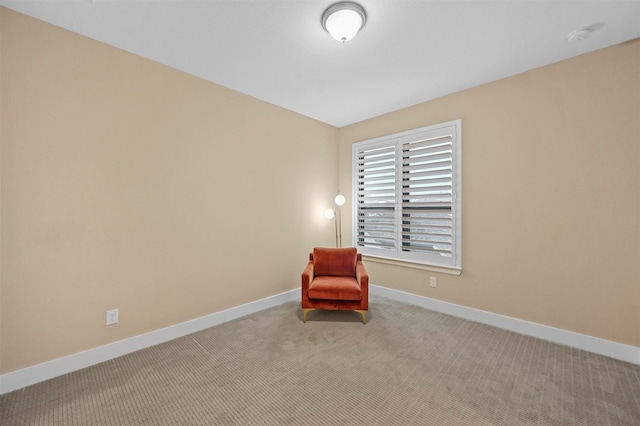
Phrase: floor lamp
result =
(335, 213)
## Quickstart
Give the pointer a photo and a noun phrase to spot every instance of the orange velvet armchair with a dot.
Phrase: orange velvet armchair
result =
(335, 279)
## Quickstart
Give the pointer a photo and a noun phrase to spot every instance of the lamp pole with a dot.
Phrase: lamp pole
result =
(339, 202)
(335, 214)
(338, 228)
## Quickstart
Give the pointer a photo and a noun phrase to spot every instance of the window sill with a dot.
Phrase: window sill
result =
(407, 264)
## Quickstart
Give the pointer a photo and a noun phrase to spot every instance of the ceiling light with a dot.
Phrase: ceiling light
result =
(343, 20)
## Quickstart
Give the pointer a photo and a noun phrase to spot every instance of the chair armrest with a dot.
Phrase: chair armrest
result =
(307, 277)
(362, 276)
(363, 279)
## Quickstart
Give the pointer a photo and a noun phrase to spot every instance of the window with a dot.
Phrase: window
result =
(407, 196)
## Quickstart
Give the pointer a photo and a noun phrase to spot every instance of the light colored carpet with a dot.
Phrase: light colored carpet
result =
(406, 366)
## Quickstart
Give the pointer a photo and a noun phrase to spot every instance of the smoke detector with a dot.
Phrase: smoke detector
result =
(583, 33)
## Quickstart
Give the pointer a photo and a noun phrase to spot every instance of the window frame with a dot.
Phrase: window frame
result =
(397, 255)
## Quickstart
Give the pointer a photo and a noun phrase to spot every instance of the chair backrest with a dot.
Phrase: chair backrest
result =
(335, 261)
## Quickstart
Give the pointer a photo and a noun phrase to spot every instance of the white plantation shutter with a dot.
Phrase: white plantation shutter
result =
(427, 195)
(407, 196)
(376, 197)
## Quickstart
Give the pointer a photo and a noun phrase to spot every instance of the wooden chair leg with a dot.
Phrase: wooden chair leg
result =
(364, 315)
(304, 314)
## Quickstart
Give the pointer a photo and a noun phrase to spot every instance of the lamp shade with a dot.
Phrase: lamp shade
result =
(343, 20)
(339, 200)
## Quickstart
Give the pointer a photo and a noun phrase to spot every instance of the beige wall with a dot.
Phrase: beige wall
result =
(551, 190)
(128, 184)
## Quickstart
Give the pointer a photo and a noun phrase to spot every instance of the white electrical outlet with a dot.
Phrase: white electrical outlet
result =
(112, 316)
(433, 282)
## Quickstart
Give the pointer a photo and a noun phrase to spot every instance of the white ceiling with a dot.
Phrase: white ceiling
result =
(409, 51)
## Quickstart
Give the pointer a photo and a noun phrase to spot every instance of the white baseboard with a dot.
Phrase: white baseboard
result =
(57, 367)
(596, 345)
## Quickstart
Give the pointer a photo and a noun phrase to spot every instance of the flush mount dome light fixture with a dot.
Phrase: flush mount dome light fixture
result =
(343, 20)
